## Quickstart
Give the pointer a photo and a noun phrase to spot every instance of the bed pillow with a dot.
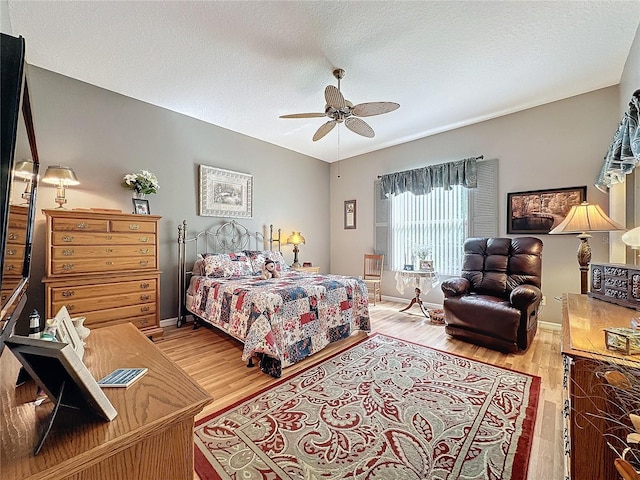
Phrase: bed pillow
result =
(198, 266)
(258, 257)
(225, 265)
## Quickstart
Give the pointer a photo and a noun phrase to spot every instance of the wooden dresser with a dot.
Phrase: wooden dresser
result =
(151, 437)
(104, 266)
(587, 455)
(14, 251)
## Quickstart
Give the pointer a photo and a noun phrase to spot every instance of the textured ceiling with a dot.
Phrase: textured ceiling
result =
(240, 65)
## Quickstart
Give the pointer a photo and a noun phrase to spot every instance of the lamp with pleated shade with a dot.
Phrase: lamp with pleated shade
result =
(582, 219)
(295, 239)
(61, 177)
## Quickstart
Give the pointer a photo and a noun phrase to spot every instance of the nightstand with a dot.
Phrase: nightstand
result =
(307, 269)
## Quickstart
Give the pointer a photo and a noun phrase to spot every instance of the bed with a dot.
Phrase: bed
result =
(281, 320)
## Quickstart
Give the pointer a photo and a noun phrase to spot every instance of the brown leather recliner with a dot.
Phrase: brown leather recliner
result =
(496, 302)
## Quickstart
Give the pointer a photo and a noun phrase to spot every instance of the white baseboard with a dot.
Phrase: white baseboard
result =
(405, 300)
(169, 322)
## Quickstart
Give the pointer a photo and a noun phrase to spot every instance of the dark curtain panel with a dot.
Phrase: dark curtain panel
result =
(624, 152)
(421, 181)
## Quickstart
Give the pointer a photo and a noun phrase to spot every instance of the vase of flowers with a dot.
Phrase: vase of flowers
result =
(142, 183)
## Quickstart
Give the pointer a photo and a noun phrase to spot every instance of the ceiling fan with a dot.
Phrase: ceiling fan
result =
(340, 110)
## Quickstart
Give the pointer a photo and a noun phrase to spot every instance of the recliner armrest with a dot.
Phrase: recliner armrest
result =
(525, 295)
(454, 287)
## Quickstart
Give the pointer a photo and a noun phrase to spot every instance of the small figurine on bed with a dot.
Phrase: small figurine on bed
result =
(269, 270)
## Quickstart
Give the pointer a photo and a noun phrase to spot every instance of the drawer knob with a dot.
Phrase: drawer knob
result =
(12, 236)
(68, 266)
(11, 252)
(108, 237)
(109, 262)
(68, 293)
(108, 250)
(71, 307)
(144, 263)
(67, 252)
(144, 298)
(134, 226)
(144, 309)
(9, 268)
(144, 323)
(144, 285)
(67, 238)
(82, 225)
(144, 239)
(144, 250)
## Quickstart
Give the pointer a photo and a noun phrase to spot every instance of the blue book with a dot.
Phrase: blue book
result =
(122, 377)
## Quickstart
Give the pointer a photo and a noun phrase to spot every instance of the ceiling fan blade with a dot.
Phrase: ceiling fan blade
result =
(334, 98)
(374, 108)
(303, 115)
(324, 129)
(360, 127)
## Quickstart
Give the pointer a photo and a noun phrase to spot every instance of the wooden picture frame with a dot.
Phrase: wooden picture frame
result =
(141, 206)
(349, 214)
(426, 265)
(66, 331)
(60, 373)
(224, 193)
(539, 211)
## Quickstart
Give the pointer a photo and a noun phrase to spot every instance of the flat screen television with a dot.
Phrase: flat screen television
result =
(18, 183)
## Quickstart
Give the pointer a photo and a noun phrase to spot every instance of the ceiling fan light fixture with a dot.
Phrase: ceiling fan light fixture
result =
(340, 110)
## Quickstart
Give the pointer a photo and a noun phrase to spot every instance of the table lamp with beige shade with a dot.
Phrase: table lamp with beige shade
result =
(583, 219)
(295, 239)
(632, 239)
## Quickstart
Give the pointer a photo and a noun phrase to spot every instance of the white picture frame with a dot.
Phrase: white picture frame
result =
(224, 193)
(66, 332)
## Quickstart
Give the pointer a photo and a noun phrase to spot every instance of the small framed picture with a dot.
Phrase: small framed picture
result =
(408, 267)
(66, 332)
(307, 264)
(426, 265)
(141, 206)
(349, 214)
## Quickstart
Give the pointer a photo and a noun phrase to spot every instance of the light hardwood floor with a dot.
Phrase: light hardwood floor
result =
(213, 360)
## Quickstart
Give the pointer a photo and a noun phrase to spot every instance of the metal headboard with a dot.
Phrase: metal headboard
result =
(226, 238)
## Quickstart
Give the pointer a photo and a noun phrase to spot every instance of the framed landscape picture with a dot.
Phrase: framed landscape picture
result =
(224, 193)
(539, 211)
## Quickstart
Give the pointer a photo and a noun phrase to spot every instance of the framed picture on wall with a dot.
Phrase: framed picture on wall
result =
(539, 211)
(224, 193)
(349, 214)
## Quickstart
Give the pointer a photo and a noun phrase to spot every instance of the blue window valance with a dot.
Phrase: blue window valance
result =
(624, 152)
(421, 181)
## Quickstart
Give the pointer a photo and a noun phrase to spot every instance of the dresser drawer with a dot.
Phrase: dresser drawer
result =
(98, 317)
(98, 251)
(140, 322)
(13, 266)
(79, 225)
(16, 235)
(69, 294)
(125, 226)
(14, 251)
(68, 238)
(81, 306)
(71, 266)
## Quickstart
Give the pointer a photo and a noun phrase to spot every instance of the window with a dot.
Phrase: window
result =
(441, 220)
(438, 221)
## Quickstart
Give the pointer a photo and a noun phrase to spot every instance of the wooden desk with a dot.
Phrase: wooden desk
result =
(151, 438)
(586, 454)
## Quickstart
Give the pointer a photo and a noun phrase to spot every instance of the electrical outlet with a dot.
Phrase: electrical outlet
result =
(543, 302)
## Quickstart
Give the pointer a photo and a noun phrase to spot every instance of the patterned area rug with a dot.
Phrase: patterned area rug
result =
(381, 409)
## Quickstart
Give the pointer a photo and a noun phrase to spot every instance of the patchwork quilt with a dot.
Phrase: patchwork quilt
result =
(282, 320)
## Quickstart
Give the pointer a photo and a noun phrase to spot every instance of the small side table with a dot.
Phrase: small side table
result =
(422, 281)
(307, 269)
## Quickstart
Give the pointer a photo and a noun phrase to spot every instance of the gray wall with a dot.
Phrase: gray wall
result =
(103, 135)
(560, 144)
